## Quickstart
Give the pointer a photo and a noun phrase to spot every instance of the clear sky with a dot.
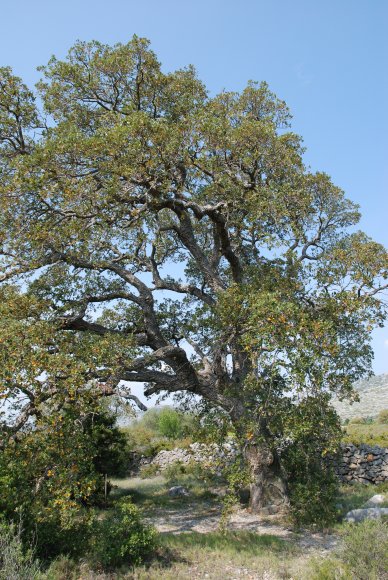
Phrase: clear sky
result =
(328, 59)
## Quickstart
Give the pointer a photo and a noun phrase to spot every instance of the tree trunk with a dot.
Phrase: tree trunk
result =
(268, 489)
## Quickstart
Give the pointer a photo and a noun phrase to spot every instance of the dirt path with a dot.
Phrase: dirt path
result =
(204, 519)
(204, 516)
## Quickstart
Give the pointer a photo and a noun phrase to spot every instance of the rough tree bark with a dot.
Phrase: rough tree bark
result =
(268, 488)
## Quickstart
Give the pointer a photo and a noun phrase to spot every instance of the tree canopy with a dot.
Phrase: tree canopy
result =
(153, 233)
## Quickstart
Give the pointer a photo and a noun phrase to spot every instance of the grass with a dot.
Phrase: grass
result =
(212, 556)
(152, 494)
(230, 543)
(370, 434)
(218, 555)
(222, 556)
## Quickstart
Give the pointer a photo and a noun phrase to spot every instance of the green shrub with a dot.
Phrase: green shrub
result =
(150, 419)
(160, 444)
(62, 568)
(173, 472)
(329, 569)
(194, 475)
(160, 428)
(315, 433)
(171, 423)
(149, 470)
(138, 436)
(69, 535)
(314, 502)
(365, 550)
(362, 555)
(383, 417)
(361, 421)
(16, 562)
(121, 537)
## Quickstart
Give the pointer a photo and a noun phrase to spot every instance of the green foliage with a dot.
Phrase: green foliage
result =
(16, 562)
(369, 434)
(62, 568)
(121, 537)
(173, 472)
(161, 428)
(141, 174)
(383, 417)
(314, 433)
(109, 442)
(147, 471)
(59, 533)
(51, 476)
(361, 421)
(171, 423)
(329, 568)
(168, 422)
(363, 554)
(139, 437)
(365, 549)
(237, 477)
(315, 501)
(191, 475)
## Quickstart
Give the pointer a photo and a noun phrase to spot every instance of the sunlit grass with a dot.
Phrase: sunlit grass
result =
(231, 543)
(152, 494)
(370, 434)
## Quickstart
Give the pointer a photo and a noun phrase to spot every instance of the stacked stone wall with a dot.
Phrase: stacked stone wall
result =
(355, 464)
(362, 464)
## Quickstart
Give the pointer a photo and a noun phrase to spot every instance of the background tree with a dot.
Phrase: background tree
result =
(143, 212)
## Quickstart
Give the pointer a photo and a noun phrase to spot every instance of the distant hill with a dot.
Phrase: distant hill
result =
(373, 394)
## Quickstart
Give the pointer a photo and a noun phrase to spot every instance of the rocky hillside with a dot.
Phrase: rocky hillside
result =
(373, 394)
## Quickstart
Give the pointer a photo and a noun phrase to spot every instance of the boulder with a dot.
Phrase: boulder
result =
(375, 500)
(178, 491)
(359, 515)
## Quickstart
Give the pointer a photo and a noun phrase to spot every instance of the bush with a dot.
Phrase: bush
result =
(174, 472)
(314, 433)
(329, 569)
(383, 417)
(64, 568)
(170, 424)
(194, 475)
(67, 535)
(15, 561)
(149, 470)
(160, 428)
(363, 554)
(365, 550)
(361, 421)
(121, 537)
(314, 502)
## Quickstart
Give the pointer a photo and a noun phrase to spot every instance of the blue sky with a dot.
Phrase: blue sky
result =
(328, 59)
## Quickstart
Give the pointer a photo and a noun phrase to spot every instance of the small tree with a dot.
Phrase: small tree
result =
(171, 423)
(178, 240)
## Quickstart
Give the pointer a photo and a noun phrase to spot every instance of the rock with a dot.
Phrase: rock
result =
(269, 510)
(179, 491)
(375, 500)
(359, 515)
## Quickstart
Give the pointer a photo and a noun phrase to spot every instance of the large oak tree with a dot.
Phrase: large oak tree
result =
(163, 236)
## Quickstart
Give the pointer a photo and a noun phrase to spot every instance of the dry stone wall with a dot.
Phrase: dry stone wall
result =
(213, 456)
(355, 464)
(362, 464)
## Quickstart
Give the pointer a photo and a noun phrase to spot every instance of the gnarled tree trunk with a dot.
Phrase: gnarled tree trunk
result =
(268, 488)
